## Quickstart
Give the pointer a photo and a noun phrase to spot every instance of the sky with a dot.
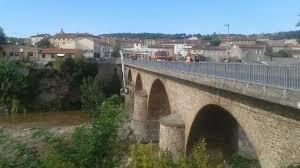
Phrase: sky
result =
(23, 18)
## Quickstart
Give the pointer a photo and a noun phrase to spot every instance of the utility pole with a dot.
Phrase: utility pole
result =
(227, 25)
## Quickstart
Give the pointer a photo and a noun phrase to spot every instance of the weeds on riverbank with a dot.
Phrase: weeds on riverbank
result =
(148, 156)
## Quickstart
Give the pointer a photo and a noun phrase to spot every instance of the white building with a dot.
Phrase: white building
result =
(89, 44)
(182, 50)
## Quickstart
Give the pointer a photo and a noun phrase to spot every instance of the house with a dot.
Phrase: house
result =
(105, 50)
(88, 43)
(249, 53)
(50, 54)
(182, 50)
(211, 53)
(20, 52)
(163, 47)
(237, 41)
(39, 37)
(294, 51)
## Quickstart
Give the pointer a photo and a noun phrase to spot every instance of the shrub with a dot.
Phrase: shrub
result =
(98, 146)
(147, 156)
(238, 161)
(13, 83)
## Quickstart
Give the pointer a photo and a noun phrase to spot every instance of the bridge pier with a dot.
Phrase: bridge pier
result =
(171, 136)
(145, 130)
(129, 99)
(245, 148)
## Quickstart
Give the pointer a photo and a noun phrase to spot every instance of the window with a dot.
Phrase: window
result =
(4, 53)
(43, 56)
(30, 54)
(11, 53)
(257, 52)
(52, 55)
(16, 54)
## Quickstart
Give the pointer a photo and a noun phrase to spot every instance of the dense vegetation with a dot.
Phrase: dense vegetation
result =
(44, 43)
(100, 145)
(2, 37)
(14, 83)
(26, 88)
(147, 156)
(279, 35)
(95, 146)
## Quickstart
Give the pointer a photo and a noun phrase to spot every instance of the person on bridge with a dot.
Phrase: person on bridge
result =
(188, 59)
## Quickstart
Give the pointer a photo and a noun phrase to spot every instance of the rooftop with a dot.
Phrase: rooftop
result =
(251, 46)
(72, 35)
(42, 35)
(60, 51)
(205, 47)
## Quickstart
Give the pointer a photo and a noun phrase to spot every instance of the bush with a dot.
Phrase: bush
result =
(147, 156)
(98, 146)
(13, 83)
(91, 95)
(15, 154)
(238, 161)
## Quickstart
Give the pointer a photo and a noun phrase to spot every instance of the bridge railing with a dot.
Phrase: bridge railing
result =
(282, 76)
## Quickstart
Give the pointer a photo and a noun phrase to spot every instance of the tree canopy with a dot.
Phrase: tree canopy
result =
(44, 43)
(2, 36)
(13, 84)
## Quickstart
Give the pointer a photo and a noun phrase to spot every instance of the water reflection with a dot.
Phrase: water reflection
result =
(45, 119)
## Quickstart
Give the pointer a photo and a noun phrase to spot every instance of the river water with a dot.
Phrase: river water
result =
(44, 120)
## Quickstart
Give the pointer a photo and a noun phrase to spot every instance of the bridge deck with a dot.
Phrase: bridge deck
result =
(276, 83)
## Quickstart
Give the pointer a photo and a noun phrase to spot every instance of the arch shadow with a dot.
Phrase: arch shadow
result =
(220, 130)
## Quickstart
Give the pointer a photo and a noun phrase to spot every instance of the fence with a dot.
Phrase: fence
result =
(282, 76)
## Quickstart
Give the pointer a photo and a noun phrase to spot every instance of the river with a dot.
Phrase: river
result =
(45, 120)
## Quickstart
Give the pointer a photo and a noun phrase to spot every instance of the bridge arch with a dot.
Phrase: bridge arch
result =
(138, 83)
(158, 107)
(158, 102)
(221, 132)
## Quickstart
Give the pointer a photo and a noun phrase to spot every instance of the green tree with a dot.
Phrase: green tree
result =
(13, 84)
(44, 43)
(116, 52)
(2, 39)
(91, 95)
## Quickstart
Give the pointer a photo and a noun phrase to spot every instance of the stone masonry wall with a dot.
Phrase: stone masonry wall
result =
(274, 135)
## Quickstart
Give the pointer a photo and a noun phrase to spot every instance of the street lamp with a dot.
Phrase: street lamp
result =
(227, 25)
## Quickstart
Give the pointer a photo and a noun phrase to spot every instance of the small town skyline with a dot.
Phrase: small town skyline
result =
(169, 17)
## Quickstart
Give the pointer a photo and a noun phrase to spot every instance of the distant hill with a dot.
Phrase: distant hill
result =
(275, 36)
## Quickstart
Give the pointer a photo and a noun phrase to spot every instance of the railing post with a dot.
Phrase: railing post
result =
(215, 71)
(267, 76)
(249, 73)
(287, 76)
(236, 69)
(225, 75)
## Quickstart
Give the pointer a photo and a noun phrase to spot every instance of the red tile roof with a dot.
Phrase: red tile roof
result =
(252, 46)
(203, 47)
(162, 46)
(60, 51)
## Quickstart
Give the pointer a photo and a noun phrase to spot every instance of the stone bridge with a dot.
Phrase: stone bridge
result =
(177, 109)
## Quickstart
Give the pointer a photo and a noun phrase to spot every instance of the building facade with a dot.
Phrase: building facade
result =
(51, 54)
(19, 52)
(89, 44)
